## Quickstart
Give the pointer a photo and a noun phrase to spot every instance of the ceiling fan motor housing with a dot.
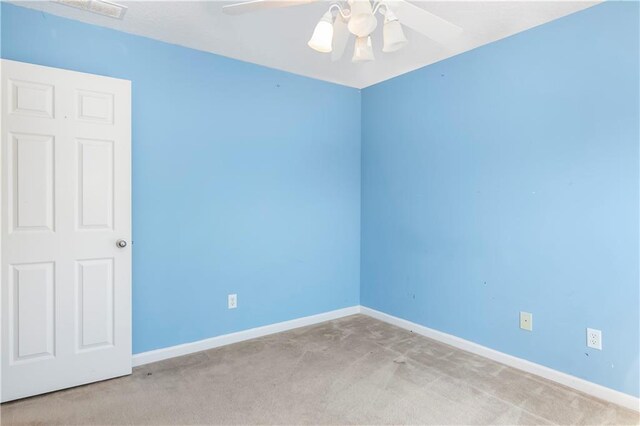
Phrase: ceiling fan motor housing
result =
(362, 22)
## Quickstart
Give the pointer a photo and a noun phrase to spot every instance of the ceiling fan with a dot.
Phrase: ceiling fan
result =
(358, 17)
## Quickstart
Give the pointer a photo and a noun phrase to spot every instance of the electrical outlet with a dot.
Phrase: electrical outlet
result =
(526, 321)
(232, 301)
(594, 338)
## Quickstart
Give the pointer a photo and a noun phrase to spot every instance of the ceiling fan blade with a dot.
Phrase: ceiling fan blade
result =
(340, 38)
(426, 23)
(255, 5)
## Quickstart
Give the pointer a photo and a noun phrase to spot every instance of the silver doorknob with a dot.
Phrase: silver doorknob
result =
(121, 243)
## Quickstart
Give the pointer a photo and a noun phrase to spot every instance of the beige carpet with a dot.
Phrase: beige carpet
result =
(354, 370)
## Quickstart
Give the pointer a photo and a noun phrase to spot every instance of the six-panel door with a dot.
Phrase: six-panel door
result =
(66, 285)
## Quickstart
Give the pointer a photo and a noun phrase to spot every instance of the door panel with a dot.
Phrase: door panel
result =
(95, 303)
(31, 99)
(95, 107)
(66, 200)
(31, 181)
(33, 309)
(96, 184)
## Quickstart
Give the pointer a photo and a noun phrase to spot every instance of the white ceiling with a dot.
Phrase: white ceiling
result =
(277, 38)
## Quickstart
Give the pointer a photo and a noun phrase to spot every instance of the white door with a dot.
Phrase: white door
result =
(66, 202)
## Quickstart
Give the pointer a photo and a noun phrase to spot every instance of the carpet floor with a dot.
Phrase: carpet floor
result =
(354, 370)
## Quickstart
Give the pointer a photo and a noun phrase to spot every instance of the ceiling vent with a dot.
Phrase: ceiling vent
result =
(101, 7)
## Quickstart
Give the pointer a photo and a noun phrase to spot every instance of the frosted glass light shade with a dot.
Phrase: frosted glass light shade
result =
(393, 35)
(363, 50)
(322, 38)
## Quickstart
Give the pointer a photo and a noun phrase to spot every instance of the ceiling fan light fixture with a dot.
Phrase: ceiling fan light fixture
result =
(322, 38)
(362, 21)
(363, 51)
(392, 33)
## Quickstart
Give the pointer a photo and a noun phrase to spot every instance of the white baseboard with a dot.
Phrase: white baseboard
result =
(227, 339)
(577, 383)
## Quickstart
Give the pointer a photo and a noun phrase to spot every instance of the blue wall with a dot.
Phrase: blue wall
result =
(500, 180)
(241, 183)
(506, 179)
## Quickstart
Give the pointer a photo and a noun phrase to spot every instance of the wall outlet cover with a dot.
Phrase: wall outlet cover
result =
(526, 321)
(232, 301)
(594, 338)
